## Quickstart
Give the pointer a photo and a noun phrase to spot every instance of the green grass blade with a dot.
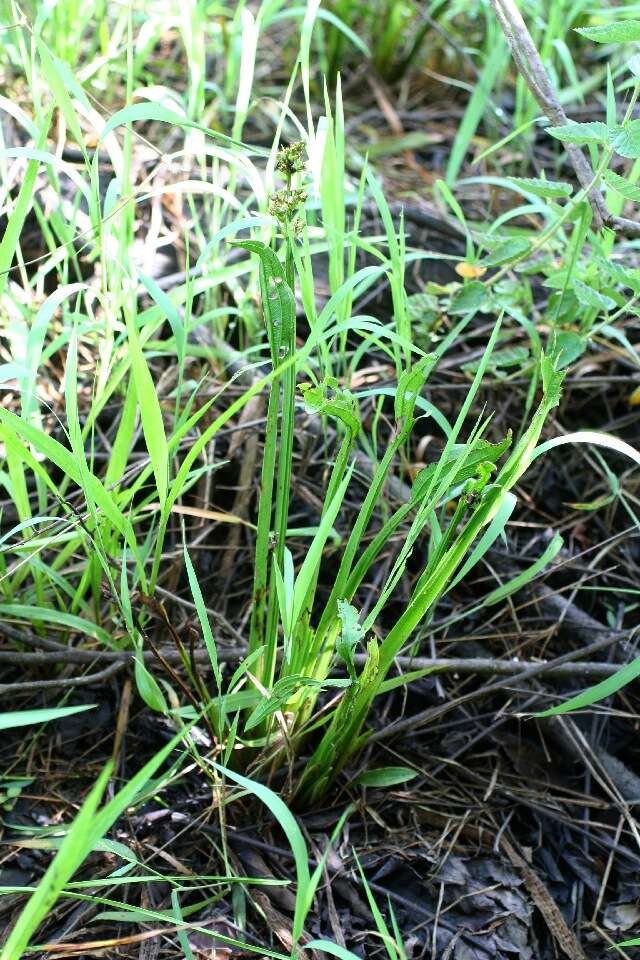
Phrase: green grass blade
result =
(24, 718)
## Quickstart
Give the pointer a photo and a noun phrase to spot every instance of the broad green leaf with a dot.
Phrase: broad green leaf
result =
(570, 345)
(278, 301)
(506, 251)
(622, 186)
(148, 686)
(472, 296)
(622, 31)
(410, 383)
(626, 140)
(542, 188)
(581, 133)
(385, 777)
(24, 718)
(483, 451)
(329, 398)
(589, 297)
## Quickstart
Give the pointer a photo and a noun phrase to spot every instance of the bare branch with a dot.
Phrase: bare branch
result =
(531, 68)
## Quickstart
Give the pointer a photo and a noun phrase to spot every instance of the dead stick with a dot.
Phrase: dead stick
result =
(531, 68)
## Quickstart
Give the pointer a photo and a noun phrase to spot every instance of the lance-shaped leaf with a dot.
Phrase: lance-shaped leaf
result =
(278, 301)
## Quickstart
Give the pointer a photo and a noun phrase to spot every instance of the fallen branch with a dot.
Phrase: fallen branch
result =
(532, 70)
(479, 666)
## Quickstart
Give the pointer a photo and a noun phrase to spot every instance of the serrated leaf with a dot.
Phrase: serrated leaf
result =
(501, 359)
(506, 251)
(622, 31)
(581, 133)
(589, 297)
(483, 452)
(622, 186)
(625, 276)
(626, 140)
(542, 188)
(385, 776)
(552, 379)
(469, 299)
(570, 346)
(421, 305)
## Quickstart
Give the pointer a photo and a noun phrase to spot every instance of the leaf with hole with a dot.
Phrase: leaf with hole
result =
(351, 634)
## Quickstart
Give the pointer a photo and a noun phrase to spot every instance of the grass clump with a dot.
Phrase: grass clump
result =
(149, 403)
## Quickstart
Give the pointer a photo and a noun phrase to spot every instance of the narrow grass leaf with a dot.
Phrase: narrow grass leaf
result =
(19, 213)
(598, 692)
(590, 437)
(292, 832)
(52, 73)
(150, 412)
(527, 575)
(25, 718)
(71, 854)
